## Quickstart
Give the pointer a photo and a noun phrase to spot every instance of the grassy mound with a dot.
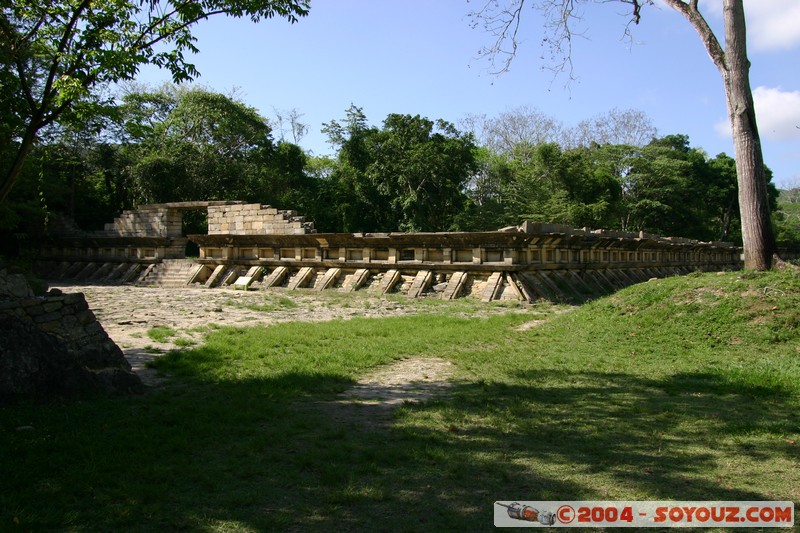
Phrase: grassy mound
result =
(741, 328)
(684, 388)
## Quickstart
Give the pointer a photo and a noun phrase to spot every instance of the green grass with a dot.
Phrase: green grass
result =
(685, 388)
(164, 334)
(161, 333)
(184, 342)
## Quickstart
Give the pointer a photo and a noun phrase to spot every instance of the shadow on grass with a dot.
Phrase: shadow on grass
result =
(662, 439)
(259, 454)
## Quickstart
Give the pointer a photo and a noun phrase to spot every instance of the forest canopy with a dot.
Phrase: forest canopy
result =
(411, 173)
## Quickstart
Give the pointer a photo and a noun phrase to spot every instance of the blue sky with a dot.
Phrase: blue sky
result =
(421, 57)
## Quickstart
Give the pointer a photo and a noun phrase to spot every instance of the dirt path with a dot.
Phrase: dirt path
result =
(369, 404)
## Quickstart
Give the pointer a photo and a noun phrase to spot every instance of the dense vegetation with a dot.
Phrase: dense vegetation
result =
(412, 173)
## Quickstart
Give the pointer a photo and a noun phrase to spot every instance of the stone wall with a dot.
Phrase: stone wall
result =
(53, 345)
(154, 232)
(14, 286)
(255, 219)
(146, 221)
(244, 240)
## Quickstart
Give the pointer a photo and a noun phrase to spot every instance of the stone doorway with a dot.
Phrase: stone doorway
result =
(193, 222)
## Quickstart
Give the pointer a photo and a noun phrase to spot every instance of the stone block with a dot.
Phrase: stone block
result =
(33, 311)
(69, 322)
(47, 317)
(93, 328)
(242, 282)
(29, 302)
(85, 317)
(52, 326)
(9, 306)
(51, 306)
(76, 298)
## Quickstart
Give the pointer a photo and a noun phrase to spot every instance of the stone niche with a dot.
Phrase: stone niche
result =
(53, 347)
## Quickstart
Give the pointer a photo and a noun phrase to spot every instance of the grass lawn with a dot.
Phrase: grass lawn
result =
(686, 388)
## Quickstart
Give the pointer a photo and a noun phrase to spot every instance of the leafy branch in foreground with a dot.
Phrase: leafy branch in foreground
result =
(55, 57)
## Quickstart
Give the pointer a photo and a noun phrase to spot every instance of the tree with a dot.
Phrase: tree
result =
(627, 126)
(656, 186)
(484, 206)
(355, 198)
(197, 145)
(721, 191)
(519, 125)
(169, 144)
(664, 186)
(787, 218)
(56, 56)
(422, 166)
(503, 19)
(410, 174)
(290, 120)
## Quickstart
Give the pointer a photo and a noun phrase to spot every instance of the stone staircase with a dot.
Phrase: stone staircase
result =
(170, 273)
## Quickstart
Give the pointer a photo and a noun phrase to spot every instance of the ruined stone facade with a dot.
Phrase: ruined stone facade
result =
(52, 345)
(255, 219)
(154, 232)
(255, 246)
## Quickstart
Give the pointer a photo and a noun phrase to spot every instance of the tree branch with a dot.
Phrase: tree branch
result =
(65, 39)
(504, 25)
(177, 29)
(23, 81)
(692, 13)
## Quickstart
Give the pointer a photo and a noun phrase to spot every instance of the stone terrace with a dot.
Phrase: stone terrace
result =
(257, 246)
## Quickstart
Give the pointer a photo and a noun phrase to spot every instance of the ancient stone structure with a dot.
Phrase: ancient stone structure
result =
(255, 246)
(254, 219)
(52, 345)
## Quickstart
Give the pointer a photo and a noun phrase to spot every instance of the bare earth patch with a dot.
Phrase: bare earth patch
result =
(539, 321)
(370, 402)
(532, 324)
(406, 380)
(127, 313)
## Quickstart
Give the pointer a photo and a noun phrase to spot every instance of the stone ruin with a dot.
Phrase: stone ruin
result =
(253, 246)
(52, 346)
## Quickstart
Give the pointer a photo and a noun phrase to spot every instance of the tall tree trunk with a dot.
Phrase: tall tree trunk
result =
(733, 65)
(757, 234)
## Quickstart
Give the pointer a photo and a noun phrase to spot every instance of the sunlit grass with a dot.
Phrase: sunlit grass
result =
(161, 333)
